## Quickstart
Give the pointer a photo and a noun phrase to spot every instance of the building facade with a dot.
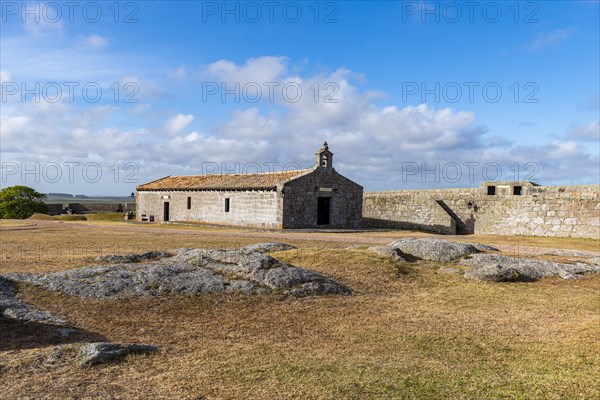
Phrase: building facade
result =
(318, 197)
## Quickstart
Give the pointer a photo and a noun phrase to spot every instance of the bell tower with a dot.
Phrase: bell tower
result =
(324, 157)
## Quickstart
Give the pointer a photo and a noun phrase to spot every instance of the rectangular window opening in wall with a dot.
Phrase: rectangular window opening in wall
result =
(189, 203)
(227, 205)
(517, 190)
(491, 190)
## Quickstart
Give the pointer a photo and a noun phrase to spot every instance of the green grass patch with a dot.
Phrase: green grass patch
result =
(42, 217)
(71, 217)
(116, 216)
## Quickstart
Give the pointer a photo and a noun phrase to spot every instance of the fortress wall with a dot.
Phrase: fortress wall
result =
(405, 210)
(82, 208)
(562, 211)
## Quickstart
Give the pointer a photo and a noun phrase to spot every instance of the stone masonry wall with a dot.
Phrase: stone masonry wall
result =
(563, 211)
(249, 208)
(301, 197)
(405, 210)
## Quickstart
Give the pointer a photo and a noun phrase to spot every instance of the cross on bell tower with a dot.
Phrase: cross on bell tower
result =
(324, 157)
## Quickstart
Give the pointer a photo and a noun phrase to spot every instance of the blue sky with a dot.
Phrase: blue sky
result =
(409, 95)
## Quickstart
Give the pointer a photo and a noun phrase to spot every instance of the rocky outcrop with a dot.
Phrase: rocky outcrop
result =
(387, 251)
(189, 271)
(593, 261)
(497, 268)
(13, 308)
(437, 249)
(570, 253)
(482, 266)
(104, 352)
(131, 258)
(268, 247)
(483, 247)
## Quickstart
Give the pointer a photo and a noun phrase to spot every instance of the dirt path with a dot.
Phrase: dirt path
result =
(341, 236)
(32, 225)
(350, 237)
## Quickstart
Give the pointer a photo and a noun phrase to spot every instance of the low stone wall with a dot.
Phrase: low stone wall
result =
(82, 208)
(562, 211)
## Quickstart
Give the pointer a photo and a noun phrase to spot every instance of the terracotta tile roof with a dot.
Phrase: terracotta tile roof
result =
(223, 181)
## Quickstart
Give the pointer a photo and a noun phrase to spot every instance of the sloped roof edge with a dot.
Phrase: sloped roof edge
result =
(265, 180)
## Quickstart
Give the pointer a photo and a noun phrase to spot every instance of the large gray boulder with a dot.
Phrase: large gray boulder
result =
(497, 268)
(437, 249)
(104, 352)
(189, 271)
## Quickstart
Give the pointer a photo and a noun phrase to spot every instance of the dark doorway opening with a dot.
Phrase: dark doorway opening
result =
(323, 210)
(166, 211)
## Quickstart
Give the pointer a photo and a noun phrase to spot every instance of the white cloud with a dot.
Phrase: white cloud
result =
(260, 70)
(133, 89)
(39, 26)
(559, 150)
(250, 124)
(499, 141)
(590, 131)
(551, 39)
(558, 162)
(60, 59)
(94, 41)
(370, 143)
(179, 73)
(5, 76)
(192, 137)
(140, 108)
(591, 103)
(74, 133)
(178, 123)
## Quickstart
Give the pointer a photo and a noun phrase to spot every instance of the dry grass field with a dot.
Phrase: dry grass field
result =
(406, 332)
(7, 223)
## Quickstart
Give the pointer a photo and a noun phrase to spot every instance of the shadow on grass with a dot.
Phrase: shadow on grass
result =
(17, 335)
